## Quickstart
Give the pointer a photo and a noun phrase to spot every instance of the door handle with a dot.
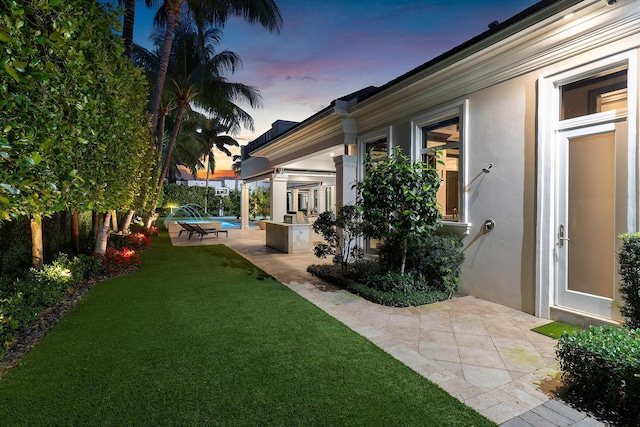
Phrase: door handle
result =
(561, 238)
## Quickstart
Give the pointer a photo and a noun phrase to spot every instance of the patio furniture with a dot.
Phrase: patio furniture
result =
(196, 229)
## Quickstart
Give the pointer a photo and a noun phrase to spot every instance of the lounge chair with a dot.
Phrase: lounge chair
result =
(187, 228)
(196, 229)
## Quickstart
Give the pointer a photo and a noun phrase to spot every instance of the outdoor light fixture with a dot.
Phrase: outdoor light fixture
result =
(488, 225)
(486, 169)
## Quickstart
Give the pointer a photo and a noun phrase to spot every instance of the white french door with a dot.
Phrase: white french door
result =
(591, 209)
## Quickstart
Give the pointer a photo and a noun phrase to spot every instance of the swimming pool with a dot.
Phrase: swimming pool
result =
(226, 222)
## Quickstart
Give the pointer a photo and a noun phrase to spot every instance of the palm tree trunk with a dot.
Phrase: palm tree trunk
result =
(37, 251)
(206, 200)
(173, 18)
(160, 134)
(127, 28)
(167, 160)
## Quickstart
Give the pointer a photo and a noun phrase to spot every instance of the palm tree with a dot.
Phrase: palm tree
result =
(196, 78)
(129, 18)
(205, 13)
(199, 137)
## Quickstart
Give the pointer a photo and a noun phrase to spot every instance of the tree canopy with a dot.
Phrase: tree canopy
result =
(398, 198)
(75, 131)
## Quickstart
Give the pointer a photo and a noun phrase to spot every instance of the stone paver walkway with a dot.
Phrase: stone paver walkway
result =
(482, 353)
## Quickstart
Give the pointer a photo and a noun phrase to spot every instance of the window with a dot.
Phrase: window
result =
(595, 94)
(441, 146)
(377, 149)
(375, 145)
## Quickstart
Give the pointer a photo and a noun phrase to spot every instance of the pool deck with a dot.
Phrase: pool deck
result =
(482, 353)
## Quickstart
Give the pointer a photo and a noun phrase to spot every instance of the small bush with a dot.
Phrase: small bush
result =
(139, 228)
(435, 257)
(365, 278)
(602, 368)
(120, 260)
(629, 261)
(23, 299)
(138, 241)
(341, 232)
(85, 267)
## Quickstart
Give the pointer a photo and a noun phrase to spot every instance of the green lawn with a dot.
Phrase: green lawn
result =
(199, 336)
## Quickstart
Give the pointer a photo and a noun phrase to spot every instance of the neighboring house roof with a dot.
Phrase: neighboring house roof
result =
(497, 31)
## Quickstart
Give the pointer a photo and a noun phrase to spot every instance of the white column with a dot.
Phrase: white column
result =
(294, 198)
(321, 202)
(244, 206)
(346, 174)
(278, 197)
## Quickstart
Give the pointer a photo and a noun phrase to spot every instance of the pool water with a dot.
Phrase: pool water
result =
(225, 222)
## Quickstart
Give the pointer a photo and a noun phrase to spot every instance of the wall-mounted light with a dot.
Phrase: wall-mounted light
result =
(488, 225)
(487, 169)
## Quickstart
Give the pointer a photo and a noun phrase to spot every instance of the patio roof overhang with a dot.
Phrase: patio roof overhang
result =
(306, 153)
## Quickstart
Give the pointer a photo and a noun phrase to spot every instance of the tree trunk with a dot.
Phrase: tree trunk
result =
(206, 197)
(103, 234)
(114, 221)
(167, 160)
(404, 256)
(127, 28)
(124, 228)
(173, 18)
(37, 251)
(95, 225)
(75, 230)
(160, 131)
(148, 219)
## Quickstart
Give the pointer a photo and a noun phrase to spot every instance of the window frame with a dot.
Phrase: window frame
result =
(431, 117)
(368, 138)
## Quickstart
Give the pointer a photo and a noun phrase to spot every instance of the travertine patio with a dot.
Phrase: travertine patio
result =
(482, 353)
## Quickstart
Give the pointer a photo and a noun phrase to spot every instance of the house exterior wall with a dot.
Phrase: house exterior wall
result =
(501, 130)
(495, 84)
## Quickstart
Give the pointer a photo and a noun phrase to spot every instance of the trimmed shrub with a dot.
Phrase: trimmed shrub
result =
(629, 261)
(120, 260)
(365, 278)
(435, 257)
(139, 228)
(23, 299)
(138, 241)
(602, 368)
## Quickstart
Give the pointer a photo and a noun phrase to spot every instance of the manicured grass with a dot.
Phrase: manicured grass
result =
(556, 329)
(200, 336)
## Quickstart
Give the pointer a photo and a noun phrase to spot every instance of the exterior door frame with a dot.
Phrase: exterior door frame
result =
(548, 126)
(563, 296)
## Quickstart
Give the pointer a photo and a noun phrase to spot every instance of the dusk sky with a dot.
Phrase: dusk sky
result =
(330, 48)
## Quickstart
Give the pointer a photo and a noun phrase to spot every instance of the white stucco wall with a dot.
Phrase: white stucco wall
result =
(501, 130)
